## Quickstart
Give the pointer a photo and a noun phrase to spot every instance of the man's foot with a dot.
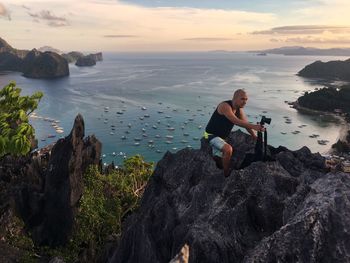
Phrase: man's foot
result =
(218, 161)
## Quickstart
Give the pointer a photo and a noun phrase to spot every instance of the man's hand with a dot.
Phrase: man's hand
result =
(259, 127)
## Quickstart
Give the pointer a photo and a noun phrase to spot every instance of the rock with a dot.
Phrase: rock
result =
(57, 260)
(44, 65)
(182, 256)
(96, 56)
(286, 210)
(333, 70)
(73, 56)
(85, 61)
(33, 64)
(63, 185)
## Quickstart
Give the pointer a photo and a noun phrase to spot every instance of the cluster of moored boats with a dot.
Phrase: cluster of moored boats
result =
(54, 124)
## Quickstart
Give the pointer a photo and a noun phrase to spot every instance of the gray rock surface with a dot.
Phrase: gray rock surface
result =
(286, 210)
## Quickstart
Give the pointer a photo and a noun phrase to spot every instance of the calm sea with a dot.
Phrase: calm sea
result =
(160, 102)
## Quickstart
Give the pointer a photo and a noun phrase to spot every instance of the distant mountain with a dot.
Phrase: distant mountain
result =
(331, 70)
(305, 51)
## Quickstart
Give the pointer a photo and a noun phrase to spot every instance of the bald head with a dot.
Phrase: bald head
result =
(239, 98)
(238, 93)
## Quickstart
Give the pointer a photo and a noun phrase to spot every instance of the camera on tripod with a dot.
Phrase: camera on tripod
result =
(265, 120)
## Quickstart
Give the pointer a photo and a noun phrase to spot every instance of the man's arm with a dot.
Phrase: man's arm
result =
(244, 117)
(226, 110)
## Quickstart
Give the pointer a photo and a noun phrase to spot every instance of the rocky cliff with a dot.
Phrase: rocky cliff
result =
(33, 64)
(43, 189)
(333, 70)
(40, 65)
(290, 209)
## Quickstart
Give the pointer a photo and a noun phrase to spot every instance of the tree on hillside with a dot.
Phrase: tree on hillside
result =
(16, 133)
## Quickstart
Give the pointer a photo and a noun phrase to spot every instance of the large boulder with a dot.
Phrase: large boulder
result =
(44, 65)
(289, 209)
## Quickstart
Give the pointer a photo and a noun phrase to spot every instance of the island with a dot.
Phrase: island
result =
(33, 64)
(331, 70)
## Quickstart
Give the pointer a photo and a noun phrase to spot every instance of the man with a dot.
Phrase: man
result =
(227, 114)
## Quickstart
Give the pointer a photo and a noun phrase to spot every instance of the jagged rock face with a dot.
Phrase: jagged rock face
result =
(44, 65)
(286, 210)
(85, 61)
(63, 185)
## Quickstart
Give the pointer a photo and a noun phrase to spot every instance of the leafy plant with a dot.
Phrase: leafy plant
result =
(15, 131)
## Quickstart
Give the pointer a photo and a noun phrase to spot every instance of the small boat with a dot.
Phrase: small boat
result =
(186, 134)
(51, 136)
(158, 121)
(129, 125)
(184, 141)
(160, 111)
(154, 127)
(143, 129)
(168, 117)
(111, 133)
(150, 142)
(169, 137)
(141, 118)
(200, 127)
(103, 155)
(143, 108)
(144, 135)
(283, 133)
(123, 137)
(171, 129)
(136, 143)
(120, 112)
(195, 138)
(168, 142)
(158, 151)
(322, 142)
(146, 115)
(137, 139)
(113, 153)
(157, 136)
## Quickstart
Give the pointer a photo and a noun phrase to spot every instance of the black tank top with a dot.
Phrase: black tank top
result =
(219, 125)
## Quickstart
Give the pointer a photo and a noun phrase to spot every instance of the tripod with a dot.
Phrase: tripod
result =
(261, 147)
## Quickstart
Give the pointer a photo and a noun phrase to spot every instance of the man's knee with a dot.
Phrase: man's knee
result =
(227, 149)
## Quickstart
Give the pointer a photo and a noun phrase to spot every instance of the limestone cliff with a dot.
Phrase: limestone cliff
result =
(289, 209)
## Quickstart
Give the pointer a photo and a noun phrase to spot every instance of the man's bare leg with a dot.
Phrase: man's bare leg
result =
(226, 158)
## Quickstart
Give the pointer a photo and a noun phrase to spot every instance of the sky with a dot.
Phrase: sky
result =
(174, 25)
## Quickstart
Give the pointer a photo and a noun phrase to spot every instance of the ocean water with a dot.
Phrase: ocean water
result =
(163, 101)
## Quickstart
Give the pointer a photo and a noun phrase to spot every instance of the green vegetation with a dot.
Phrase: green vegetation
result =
(106, 201)
(15, 131)
(327, 99)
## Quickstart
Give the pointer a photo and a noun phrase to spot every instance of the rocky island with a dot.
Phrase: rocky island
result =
(33, 64)
(332, 70)
(290, 209)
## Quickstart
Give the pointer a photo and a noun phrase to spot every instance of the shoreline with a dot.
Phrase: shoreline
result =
(344, 125)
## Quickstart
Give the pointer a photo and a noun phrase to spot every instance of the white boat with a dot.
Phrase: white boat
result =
(143, 108)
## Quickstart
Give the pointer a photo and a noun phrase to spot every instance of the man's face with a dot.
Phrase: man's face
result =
(241, 100)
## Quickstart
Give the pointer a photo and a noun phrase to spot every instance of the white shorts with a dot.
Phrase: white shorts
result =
(217, 143)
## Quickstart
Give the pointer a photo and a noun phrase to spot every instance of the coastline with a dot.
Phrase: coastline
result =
(344, 125)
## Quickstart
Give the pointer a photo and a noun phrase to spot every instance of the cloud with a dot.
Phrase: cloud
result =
(120, 36)
(207, 39)
(52, 20)
(4, 12)
(304, 29)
